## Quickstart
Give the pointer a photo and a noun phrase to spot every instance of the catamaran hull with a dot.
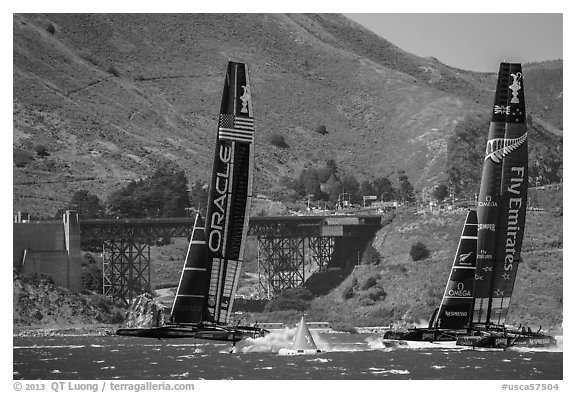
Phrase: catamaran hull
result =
(493, 341)
(424, 335)
(397, 338)
(232, 334)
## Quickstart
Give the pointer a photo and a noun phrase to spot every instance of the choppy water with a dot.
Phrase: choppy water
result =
(358, 356)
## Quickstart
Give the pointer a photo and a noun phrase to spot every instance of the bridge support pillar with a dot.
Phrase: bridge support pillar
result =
(281, 263)
(321, 250)
(126, 269)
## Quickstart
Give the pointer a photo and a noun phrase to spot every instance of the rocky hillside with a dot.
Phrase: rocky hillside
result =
(100, 99)
(37, 302)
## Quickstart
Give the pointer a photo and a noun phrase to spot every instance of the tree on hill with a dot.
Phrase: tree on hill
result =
(351, 186)
(383, 189)
(164, 194)
(366, 188)
(330, 169)
(309, 184)
(406, 191)
(440, 192)
(419, 251)
(86, 204)
(333, 188)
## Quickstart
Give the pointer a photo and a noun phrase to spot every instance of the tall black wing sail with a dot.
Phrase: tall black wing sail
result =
(489, 204)
(502, 200)
(230, 192)
(456, 305)
(513, 153)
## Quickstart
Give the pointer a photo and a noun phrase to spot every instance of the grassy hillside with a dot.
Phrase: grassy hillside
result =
(100, 99)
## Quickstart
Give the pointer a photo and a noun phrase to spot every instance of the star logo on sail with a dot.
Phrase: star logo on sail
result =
(478, 278)
(498, 293)
(506, 276)
(518, 113)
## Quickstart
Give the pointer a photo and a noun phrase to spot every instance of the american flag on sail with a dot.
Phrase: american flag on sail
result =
(235, 128)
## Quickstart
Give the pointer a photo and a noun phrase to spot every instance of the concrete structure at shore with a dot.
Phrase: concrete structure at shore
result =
(49, 247)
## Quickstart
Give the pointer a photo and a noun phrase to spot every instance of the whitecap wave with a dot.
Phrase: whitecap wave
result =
(272, 342)
(319, 360)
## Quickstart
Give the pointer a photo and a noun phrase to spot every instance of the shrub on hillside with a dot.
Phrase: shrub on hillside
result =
(322, 130)
(112, 70)
(37, 278)
(51, 29)
(41, 151)
(419, 251)
(349, 289)
(91, 276)
(102, 303)
(371, 256)
(376, 293)
(278, 141)
(370, 282)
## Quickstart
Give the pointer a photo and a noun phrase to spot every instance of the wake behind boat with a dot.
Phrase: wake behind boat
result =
(203, 304)
(477, 297)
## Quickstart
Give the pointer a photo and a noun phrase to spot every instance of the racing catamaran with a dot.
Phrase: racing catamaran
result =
(451, 319)
(203, 304)
(477, 298)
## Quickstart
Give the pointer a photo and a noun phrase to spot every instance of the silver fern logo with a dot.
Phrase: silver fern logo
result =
(497, 149)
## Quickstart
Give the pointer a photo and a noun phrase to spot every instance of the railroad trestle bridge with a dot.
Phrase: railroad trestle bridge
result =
(285, 245)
